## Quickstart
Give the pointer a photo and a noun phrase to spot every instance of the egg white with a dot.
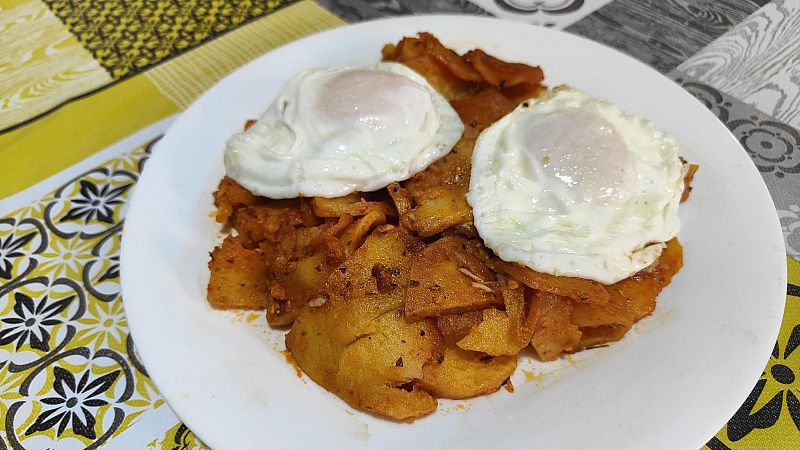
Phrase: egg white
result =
(334, 131)
(572, 186)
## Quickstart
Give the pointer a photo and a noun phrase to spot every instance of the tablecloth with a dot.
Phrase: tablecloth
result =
(88, 86)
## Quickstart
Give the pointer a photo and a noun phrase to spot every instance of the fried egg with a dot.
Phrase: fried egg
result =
(333, 131)
(573, 186)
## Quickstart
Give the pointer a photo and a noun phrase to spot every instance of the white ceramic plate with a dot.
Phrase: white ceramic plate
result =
(671, 383)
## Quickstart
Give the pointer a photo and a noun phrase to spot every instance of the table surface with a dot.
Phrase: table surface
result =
(89, 86)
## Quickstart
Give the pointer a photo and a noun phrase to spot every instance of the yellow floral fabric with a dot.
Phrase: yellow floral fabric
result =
(68, 367)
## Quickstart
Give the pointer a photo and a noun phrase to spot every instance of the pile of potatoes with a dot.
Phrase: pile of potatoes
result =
(390, 297)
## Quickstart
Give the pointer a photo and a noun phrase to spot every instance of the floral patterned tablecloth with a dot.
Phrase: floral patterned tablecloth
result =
(88, 86)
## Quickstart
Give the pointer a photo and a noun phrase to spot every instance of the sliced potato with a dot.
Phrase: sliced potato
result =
(500, 73)
(353, 339)
(355, 204)
(463, 374)
(438, 195)
(632, 298)
(502, 332)
(455, 63)
(553, 333)
(520, 312)
(455, 327)
(353, 236)
(298, 272)
(521, 93)
(670, 262)
(641, 290)
(492, 335)
(377, 370)
(480, 111)
(687, 181)
(232, 199)
(465, 230)
(618, 311)
(231, 196)
(298, 287)
(594, 336)
(238, 277)
(578, 289)
(274, 221)
(301, 259)
(640, 293)
(448, 278)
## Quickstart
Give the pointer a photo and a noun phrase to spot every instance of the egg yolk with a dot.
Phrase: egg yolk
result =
(579, 150)
(385, 106)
